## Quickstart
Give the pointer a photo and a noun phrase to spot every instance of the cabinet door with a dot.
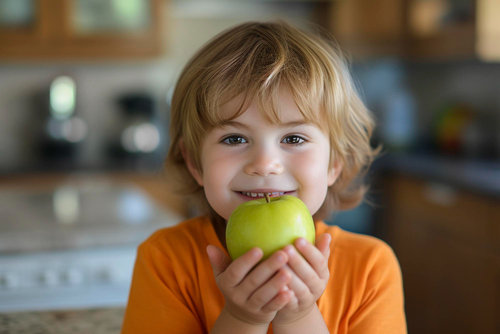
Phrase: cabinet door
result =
(21, 23)
(80, 29)
(368, 28)
(450, 264)
(449, 287)
(442, 29)
(17, 15)
(112, 28)
(488, 30)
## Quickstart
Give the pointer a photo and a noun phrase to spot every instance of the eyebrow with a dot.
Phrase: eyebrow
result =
(281, 125)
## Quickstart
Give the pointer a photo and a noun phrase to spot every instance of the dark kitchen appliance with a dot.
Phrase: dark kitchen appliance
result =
(139, 141)
(63, 130)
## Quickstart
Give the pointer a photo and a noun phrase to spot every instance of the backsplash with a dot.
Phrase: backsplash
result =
(470, 82)
(23, 102)
(432, 87)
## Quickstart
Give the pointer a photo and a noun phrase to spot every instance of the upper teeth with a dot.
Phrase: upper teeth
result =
(262, 194)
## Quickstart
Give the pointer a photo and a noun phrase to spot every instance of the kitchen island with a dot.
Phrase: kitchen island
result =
(85, 321)
(69, 241)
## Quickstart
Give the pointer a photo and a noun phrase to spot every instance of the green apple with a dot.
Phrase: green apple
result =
(268, 223)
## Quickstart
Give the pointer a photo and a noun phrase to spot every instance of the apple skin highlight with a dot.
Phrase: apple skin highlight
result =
(269, 223)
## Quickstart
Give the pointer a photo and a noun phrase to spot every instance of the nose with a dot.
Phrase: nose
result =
(264, 162)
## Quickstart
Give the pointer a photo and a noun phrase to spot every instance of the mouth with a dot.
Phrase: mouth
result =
(260, 194)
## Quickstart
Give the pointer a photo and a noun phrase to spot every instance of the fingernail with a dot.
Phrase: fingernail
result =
(283, 276)
(301, 241)
(290, 250)
(280, 258)
(210, 253)
(256, 252)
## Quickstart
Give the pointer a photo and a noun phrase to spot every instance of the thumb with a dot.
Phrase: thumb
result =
(218, 259)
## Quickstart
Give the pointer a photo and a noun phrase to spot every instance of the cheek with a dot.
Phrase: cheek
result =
(217, 177)
(217, 172)
(312, 166)
(312, 172)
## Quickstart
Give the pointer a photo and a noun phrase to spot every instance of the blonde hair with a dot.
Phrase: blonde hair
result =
(255, 60)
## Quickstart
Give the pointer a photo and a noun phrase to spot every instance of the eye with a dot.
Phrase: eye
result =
(294, 140)
(234, 140)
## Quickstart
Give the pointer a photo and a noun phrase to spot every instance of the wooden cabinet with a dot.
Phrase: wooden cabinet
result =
(80, 29)
(417, 29)
(448, 245)
(442, 29)
(368, 28)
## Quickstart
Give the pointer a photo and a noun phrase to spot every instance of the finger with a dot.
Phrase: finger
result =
(323, 244)
(263, 272)
(314, 257)
(303, 270)
(301, 291)
(293, 302)
(269, 290)
(240, 267)
(281, 300)
(218, 259)
(285, 288)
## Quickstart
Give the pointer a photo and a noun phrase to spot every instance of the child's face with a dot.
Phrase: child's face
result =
(250, 156)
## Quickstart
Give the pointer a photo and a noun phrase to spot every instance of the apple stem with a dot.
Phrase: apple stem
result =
(267, 197)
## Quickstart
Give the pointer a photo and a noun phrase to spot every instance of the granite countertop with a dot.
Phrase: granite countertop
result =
(92, 321)
(481, 177)
(80, 212)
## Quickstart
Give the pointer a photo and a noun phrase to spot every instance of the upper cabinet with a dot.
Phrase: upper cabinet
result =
(368, 28)
(80, 29)
(418, 29)
(442, 29)
(19, 23)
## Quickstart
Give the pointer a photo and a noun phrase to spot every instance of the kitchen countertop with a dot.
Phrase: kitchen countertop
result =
(481, 177)
(56, 212)
(153, 183)
(95, 321)
(68, 241)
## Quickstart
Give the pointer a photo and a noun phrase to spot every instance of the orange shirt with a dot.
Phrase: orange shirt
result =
(174, 291)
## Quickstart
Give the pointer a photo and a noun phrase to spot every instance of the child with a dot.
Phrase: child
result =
(266, 108)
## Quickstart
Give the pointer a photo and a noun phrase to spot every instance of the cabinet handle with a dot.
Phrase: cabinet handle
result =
(440, 194)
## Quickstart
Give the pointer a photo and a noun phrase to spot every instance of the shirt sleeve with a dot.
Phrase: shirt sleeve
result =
(382, 306)
(156, 304)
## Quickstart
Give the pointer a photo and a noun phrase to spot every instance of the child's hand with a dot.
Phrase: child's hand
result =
(310, 274)
(252, 296)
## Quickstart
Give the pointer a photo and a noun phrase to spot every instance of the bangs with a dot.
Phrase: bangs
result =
(259, 71)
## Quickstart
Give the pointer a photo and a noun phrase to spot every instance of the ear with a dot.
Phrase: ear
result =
(189, 163)
(334, 172)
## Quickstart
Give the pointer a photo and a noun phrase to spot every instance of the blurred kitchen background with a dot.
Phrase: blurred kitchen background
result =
(85, 87)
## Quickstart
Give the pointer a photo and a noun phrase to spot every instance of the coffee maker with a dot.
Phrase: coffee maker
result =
(63, 130)
(138, 143)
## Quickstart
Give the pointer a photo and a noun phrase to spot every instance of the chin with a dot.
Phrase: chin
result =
(224, 212)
